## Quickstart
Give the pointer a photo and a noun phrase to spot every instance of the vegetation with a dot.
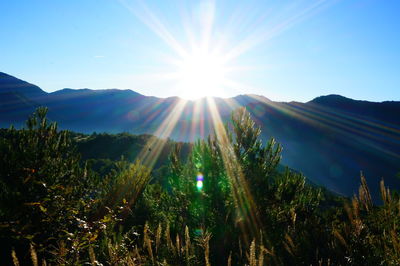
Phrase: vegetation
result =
(223, 203)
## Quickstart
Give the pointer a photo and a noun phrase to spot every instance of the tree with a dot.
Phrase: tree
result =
(48, 198)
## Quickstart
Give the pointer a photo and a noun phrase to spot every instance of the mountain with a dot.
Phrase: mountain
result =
(17, 99)
(330, 139)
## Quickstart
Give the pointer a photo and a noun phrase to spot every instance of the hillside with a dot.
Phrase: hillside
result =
(214, 205)
(330, 139)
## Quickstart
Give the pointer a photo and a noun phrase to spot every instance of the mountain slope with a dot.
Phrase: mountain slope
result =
(330, 139)
(331, 145)
(18, 99)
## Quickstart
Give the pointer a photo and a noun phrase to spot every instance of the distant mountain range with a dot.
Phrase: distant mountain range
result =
(330, 139)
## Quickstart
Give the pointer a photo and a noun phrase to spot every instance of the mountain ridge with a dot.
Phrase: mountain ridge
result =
(4, 75)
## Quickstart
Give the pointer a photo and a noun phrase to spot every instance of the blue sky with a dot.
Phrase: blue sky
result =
(284, 50)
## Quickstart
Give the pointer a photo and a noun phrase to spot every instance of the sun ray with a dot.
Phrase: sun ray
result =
(205, 65)
(197, 123)
(155, 24)
(355, 129)
(152, 149)
(263, 34)
(250, 223)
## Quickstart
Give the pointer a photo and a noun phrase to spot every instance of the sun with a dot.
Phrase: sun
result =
(201, 74)
(206, 46)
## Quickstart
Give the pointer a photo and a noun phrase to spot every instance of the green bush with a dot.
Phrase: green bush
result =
(224, 202)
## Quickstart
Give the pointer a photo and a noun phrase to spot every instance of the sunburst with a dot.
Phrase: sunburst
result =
(200, 74)
(205, 67)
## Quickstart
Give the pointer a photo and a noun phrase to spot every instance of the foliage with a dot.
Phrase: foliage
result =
(48, 199)
(224, 202)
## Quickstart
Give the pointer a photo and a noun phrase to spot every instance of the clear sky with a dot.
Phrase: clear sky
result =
(284, 50)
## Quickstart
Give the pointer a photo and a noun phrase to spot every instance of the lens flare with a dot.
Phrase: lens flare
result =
(199, 183)
(200, 177)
